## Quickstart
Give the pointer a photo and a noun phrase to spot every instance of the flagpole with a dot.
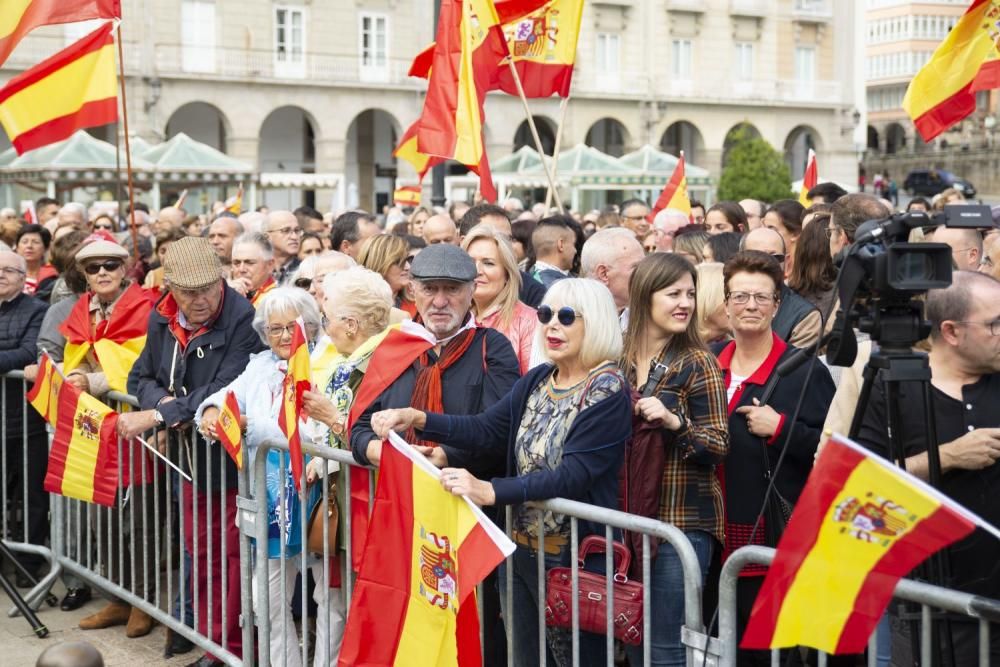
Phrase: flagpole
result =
(555, 151)
(128, 150)
(534, 132)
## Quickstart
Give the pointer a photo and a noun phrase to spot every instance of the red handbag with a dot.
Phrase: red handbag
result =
(626, 615)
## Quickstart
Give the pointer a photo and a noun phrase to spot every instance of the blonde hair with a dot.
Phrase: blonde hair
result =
(710, 295)
(506, 299)
(380, 253)
(362, 294)
(602, 339)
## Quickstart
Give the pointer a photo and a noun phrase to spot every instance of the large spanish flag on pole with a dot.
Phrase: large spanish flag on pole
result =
(298, 380)
(83, 460)
(19, 17)
(809, 180)
(409, 151)
(74, 89)
(414, 603)
(944, 90)
(675, 192)
(860, 524)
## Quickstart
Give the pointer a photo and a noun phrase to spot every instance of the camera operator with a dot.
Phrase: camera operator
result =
(965, 369)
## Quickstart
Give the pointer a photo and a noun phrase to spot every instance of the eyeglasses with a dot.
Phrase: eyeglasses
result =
(110, 266)
(277, 330)
(778, 257)
(304, 283)
(993, 326)
(565, 315)
(830, 231)
(286, 231)
(104, 227)
(11, 271)
(760, 298)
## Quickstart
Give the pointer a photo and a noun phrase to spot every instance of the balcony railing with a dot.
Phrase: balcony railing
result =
(755, 8)
(813, 10)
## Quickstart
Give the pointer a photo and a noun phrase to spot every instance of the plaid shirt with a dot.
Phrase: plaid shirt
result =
(694, 390)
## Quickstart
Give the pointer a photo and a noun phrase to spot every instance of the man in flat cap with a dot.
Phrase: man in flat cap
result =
(199, 340)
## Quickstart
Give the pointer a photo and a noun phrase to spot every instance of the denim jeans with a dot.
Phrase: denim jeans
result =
(522, 620)
(666, 603)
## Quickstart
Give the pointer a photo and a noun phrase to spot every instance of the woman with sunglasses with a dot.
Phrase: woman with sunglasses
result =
(680, 422)
(258, 391)
(563, 428)
(495, 302)
(389, 256)
(760, 431)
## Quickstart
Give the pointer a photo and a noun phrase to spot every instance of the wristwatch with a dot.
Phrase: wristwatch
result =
(157, 417)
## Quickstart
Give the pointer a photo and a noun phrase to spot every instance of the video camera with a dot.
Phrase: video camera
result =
(883, 274)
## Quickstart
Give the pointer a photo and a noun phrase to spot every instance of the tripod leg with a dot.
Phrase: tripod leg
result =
(22, 606)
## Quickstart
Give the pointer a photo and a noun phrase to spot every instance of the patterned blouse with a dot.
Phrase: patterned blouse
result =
(548, 417)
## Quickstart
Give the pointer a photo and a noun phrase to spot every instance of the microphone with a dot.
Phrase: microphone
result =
(789, 366)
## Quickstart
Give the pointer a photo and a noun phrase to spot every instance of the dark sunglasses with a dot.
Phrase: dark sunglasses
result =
(304, 283)
(109, 266)
(565, 315)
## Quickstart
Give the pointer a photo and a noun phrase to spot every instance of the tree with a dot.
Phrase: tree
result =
(754, 170)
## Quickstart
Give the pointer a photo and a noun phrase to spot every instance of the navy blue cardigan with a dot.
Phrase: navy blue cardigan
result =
(592, 453)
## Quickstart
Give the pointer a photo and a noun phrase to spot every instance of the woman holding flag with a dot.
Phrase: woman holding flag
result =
(259, 393)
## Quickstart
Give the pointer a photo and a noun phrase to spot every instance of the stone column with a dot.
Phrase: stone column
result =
(331, 157)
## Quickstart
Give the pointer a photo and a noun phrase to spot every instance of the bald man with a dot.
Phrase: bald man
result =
(440, 229)
(797, 321)
(283, 231)
(609, 257)
(755, 212)
(221, 235)
(966, 246)
(70, 654)
(170, 217)
(665, 226)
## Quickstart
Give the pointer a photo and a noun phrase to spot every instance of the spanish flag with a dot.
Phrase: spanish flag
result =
(470, 43)
(258, 296)
(408, 150)
(44, 394)
(944, 90)
(298, 380)
(83, 460)
(229, 430)
(675, 193)
(19, 17)
(860, 524)
(414, 601)
(116, 342)
(235, 203)
(74, 89)
(809, 180)
(407, 195)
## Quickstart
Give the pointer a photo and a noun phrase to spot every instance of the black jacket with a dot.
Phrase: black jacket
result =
(793, 309)
(20, 321)
(474, 383)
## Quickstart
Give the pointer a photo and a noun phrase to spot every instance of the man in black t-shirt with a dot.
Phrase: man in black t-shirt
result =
(965, 369)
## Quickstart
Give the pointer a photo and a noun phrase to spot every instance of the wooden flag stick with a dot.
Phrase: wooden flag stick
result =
(534, 132)
(128, 150)
(164, 458)
(555, 151)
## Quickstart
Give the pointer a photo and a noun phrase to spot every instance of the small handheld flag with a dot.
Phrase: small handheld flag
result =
(298, 380)
(809, 180)
(228, 429)
(675, 193)
(44, 394)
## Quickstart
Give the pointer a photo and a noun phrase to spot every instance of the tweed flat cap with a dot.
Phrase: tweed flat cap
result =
(100, 250)
(190, 263)
(443, 261)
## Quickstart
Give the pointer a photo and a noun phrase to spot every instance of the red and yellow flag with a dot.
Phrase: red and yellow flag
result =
(235, 203)
(258, 296)
(968, 60)
(74, 89)
(116, 342)
(809, 180)
(44, 394)
(860, 524)
(83, 460)
(675, 193)
(229, 430)
(407, 195)
(19, 17)
(298, 380)
(408, 150)
(414, 601)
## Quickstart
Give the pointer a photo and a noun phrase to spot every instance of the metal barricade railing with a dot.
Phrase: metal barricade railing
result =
(982, 610)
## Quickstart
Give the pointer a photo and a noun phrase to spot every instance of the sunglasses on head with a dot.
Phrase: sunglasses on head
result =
(109, 266)
(304, 283)
(565, 315)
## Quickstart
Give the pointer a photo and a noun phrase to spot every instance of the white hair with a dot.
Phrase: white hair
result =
(670, 215)
(252, 221)
(363, 294)
(20, 261)
(284, 299)
(75, 207)
(591, 300)
(604, 247)
(257, 239)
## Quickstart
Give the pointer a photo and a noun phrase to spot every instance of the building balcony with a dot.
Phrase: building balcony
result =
(749, 8)
(812, 11)
(692, 6)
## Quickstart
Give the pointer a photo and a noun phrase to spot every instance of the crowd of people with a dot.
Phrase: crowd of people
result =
(615, 357)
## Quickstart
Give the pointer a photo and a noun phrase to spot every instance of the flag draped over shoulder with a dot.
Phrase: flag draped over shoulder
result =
(116, 342)
(675, 192)
(298, 380)
(83, 459)
(74, 89)
(809, 179)
(19, 17)
(44, 394)
(414, 602)
(968, 60)
(859, 525)
(229, 430)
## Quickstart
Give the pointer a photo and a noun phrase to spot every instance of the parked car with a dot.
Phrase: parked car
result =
(929, 182)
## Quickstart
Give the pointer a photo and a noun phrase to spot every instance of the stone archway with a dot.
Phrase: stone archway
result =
(370, 166)
(202, 122)
(798, 143)
(683, 136)
(608, 136)
(287, 143)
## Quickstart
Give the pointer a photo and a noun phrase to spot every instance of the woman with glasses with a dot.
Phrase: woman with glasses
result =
(495, 302)
(32, 244)
(759, 433)
(258, 392)
(389, 256)
(563, 428)
(103, 222)
(680, 422)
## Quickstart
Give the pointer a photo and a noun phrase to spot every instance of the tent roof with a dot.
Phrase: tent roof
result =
(8, 156)
(183, 154)
(587, 159)
(651, 160)
(81, 152)
(521, 160)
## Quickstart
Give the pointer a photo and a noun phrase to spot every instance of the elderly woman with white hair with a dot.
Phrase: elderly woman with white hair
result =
(563, 427)
(258, 392)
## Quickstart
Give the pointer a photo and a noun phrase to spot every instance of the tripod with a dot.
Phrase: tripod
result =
(40, 630)
(896, 365)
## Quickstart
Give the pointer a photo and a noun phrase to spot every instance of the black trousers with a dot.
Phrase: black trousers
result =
(24, 469)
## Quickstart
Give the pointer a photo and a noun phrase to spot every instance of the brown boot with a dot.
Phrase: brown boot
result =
(116, 613)
(140, 623)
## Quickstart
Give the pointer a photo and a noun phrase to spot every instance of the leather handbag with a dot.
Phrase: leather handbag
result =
(324, 513)
(626, 603)
(777, 509)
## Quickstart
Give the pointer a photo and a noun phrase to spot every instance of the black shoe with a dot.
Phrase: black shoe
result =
(75, 598)
(177, 644)
(205, 661)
